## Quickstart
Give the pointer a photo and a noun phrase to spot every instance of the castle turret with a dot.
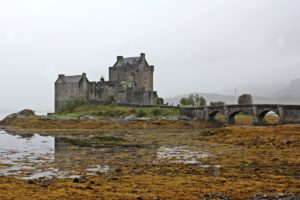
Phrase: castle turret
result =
(102, 79)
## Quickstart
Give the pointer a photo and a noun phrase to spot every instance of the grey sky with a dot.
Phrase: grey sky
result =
(195, 45)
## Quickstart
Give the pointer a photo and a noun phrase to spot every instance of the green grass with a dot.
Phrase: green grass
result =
(118, 111)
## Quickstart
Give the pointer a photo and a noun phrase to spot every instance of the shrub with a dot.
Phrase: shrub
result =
(193, 100)
(141, 113)
(114, 112)
(132, 111)
(156, 111)
(217, 103)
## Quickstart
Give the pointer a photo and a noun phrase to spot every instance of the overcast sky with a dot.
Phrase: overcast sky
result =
(195, 45)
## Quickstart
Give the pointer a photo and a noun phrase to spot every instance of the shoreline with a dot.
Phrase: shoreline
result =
(96, 126)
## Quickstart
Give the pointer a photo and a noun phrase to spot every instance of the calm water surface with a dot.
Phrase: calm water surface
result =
(36, 156)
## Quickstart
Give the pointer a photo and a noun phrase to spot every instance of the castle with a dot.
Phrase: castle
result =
(130, 82)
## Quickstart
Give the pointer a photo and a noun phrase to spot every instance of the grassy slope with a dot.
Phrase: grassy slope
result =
(118, 111)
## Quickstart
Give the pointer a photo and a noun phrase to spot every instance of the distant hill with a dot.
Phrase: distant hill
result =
(291, 90)
(229, 99)
(263, 90)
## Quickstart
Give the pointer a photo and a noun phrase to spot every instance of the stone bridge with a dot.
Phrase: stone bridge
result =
(288, 114)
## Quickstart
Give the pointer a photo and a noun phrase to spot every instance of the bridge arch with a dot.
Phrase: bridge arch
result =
(216, 116)
(232, 116)
(274, 119)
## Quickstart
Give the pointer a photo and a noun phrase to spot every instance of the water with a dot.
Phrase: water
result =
(36, 156)
(20, 155)
(181, 154)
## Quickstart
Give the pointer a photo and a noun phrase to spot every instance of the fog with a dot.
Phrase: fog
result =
(195, 45)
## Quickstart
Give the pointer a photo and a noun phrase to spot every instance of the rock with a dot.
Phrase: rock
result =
(172, 118)
(26, 113)
(285, 142)
(143, 119)
(118, 170)
(280, 194)
(65, 118)
(114, 178)
(30, 182)
(216, 195)
(88, 187)
(130, 117)
(92, 183)
(177, 117)
(183, 117)
(76, 180)
(87, 117)
(14, 115)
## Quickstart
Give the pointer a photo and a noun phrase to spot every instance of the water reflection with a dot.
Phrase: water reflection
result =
(36, 156)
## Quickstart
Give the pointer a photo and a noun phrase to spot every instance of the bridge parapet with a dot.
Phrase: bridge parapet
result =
(286, 113)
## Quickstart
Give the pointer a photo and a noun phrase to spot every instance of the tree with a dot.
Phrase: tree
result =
(189, 101)
(245, 99)
(199, 100)
(160, 101)
(217, 103)
(193, 100)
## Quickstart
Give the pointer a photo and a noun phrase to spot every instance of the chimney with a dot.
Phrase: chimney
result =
(62, 76)
(102, 79)
(120, 58)
(143, 56)
(84, 75)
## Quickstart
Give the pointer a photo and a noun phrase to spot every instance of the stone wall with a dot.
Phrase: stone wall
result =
(65, 92)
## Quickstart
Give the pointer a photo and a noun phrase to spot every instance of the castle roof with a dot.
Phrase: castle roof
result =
(130, 60)
(70, 79)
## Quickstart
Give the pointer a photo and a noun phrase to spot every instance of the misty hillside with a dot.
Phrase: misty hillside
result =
(254, 89)
(228, 99)
(292, 89)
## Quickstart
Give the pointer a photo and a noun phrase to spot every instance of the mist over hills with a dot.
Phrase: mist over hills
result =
(292, 89)
(272, 94)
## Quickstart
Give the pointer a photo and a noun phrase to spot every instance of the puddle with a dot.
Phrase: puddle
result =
(98, 169)
(33, 157)
(49, 173)
(21, 154)
(180, 154)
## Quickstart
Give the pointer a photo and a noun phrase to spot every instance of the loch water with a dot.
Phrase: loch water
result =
(38, 156)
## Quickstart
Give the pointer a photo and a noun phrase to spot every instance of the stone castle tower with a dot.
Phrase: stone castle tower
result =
(130, 82)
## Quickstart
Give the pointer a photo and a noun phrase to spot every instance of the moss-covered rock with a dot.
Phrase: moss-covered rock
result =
(26, 113)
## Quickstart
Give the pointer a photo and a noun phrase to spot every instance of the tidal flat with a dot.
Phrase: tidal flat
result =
(100, 159)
